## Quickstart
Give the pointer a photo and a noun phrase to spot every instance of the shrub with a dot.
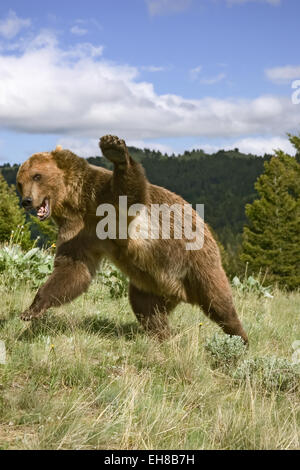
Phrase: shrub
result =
(46, 231)
(249, 284)
(12, 216)
(17, 267)
(114, 279)
(225, 351)
(271, 373)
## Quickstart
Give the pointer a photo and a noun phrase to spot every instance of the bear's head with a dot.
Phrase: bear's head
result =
(45, 181)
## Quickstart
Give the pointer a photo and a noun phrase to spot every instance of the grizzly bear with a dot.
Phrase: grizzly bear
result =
(161, 271)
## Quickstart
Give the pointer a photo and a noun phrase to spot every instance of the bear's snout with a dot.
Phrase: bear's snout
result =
(27, 203)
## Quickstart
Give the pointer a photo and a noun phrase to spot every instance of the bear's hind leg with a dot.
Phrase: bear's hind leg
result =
(151, 311)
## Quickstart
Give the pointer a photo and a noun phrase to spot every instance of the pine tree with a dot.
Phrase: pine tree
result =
(46, 231)
(271, 241)
(12, 217)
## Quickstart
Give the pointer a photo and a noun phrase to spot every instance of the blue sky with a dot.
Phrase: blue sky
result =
(166, 74)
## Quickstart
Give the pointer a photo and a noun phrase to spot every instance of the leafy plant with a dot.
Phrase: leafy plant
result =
(271, 373)
(225, 351)
(17, 266)
(250, 284)
(114, 279)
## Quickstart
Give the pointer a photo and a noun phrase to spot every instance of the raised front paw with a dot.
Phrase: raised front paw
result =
(30, 315)
(113, 148)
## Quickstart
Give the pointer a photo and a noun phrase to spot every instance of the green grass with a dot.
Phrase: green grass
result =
(87, 377)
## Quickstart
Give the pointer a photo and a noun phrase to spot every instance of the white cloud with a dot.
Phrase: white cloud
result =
(283, 75)
(75, 92)
(262, 145)
(88, 23)
(78, 31)
(254, 145)
(195, 72)
(213, 80)
(162, 7)
(85, 147)
(82, 147)
(12, 25)
(142, 144)
(152, 68)
(271, 2)
(90, 147)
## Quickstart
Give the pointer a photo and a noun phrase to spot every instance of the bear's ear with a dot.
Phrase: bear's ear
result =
(58, 148)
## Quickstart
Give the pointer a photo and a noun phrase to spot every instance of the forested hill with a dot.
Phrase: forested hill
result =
(223, 182)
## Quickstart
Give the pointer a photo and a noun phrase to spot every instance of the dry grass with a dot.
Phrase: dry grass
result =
(86, 377)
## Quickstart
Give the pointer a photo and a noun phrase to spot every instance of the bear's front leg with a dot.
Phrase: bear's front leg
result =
(128, 176)
(69, 279)
(115, 150)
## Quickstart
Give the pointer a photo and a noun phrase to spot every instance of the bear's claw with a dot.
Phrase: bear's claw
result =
(29, 315)
(113, 148)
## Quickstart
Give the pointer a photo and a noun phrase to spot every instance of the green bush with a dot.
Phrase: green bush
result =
(225, 351)
(12, 216)
(249, 284)
(271, 373)
(46, 231)
(19, 267)
(114, 279)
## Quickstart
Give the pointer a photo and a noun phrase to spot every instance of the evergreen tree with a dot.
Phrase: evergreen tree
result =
(12, 217)
(271, 241)
(46, 231)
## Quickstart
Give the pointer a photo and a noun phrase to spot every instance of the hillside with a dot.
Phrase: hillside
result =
(87, 377)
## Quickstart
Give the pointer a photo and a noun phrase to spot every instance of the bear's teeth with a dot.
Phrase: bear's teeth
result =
(41, 211)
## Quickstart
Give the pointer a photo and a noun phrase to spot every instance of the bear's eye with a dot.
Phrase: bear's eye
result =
(37, 177)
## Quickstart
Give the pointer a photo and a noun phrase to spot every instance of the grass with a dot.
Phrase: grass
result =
(87, 377)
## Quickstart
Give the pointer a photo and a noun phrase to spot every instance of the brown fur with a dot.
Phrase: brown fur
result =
(162, 272)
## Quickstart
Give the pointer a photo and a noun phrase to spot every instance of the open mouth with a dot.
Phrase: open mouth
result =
(43, 211)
